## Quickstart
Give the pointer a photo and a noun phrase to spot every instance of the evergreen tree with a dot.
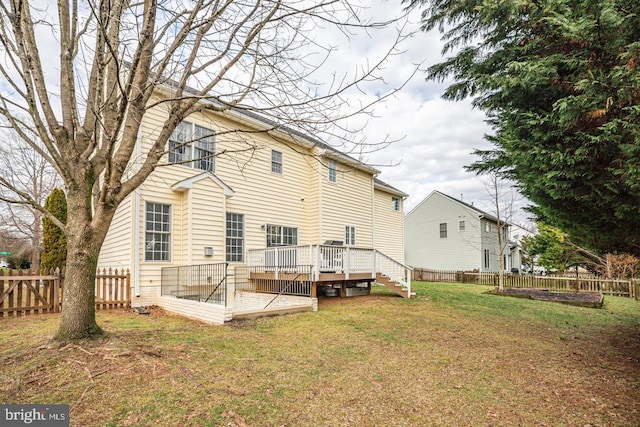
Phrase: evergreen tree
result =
(560, 83)
(54, 249)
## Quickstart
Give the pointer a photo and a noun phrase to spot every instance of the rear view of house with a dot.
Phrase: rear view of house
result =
(443, 233)
(273, 216)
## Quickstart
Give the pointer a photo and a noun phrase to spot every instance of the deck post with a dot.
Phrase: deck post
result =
(317, 266)
(347, 263)
(375, 264)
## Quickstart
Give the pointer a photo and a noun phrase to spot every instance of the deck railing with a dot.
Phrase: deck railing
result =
(345, 260)
(204, 283)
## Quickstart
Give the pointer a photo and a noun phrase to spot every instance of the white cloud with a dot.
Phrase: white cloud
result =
(436, 138)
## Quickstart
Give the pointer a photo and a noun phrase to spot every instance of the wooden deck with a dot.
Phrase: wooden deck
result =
(305, 284)
(300, 270)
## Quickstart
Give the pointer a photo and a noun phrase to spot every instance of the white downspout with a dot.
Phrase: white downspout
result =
(373, 226)
(136, 224)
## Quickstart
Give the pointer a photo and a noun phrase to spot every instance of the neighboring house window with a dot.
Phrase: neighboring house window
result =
(235, 237)
(350, 235)
(333, 172)
(157, 236)
(192, 146)
(276, 162)
(461, 225)
(486, 258)
(395, 203)
(278, 235)
(443, 230)
(487, 227)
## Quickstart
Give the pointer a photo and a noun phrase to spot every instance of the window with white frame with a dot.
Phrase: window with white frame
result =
(235, 237)
(487, 227)
(350, 235)
(278, 235)
(276, 162)
(443, 230)
(333, 171)
(193, 146)
(157, 237)
(486, 258)
(461, 225)
(395, 203)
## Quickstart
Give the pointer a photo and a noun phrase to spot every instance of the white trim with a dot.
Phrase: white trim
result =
(187, 184)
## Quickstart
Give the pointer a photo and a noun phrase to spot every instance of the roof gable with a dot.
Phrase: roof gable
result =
(187, 184)
(479, 212)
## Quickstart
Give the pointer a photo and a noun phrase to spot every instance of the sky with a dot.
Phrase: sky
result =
(434, 138)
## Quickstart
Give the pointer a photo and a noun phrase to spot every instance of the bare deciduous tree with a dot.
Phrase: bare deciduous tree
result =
(85, 74)
(25, 170)
(501, 200)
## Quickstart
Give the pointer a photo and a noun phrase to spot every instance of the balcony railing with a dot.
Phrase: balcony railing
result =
(204, 283)
(345, 260)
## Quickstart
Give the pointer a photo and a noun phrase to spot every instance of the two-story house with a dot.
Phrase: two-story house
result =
(252, 201)
(444, 233)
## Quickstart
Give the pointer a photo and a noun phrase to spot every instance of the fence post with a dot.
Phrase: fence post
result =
(57, 286)
(128, 285)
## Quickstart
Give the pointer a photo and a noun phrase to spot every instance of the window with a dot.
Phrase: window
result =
(235, 237)
(461, 225)
(277, 235)
(333, 172)
(157, 235)
(276, 162)
(192, 142)
(395, 203)
(443, 230)
(486, 258)
(487, 227)
(350, 235)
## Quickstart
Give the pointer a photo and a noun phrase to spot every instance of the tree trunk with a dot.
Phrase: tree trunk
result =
(78, 302)
(84, 240)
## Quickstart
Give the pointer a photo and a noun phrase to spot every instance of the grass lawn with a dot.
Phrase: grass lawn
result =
(453, 356)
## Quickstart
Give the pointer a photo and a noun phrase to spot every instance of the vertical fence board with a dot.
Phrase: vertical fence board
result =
(25, 293)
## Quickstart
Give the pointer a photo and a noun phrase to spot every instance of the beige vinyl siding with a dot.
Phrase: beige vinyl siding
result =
(389, 226)
(205, 226)
(316, 177)
(347, 202)
(264, 197)
(460, 250)
(116, 252)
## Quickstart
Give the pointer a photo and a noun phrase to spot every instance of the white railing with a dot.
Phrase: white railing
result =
(323, 259)
(394, 270)
(330, 259)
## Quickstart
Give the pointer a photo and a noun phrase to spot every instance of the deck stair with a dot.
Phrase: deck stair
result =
(396, 287)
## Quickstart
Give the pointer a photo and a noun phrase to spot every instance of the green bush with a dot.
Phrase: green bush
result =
(54, 248)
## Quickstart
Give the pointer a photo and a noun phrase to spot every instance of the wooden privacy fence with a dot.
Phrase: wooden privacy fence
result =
(25, 293)
(624, 288)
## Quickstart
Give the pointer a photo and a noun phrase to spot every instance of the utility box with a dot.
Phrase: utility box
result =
(356, 292)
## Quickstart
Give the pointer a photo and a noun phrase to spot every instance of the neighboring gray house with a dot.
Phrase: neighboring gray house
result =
(444, 233)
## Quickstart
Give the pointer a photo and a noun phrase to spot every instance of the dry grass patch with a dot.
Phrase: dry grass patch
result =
(453, 356)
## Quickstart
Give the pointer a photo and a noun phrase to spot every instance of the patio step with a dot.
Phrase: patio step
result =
(394, 286)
